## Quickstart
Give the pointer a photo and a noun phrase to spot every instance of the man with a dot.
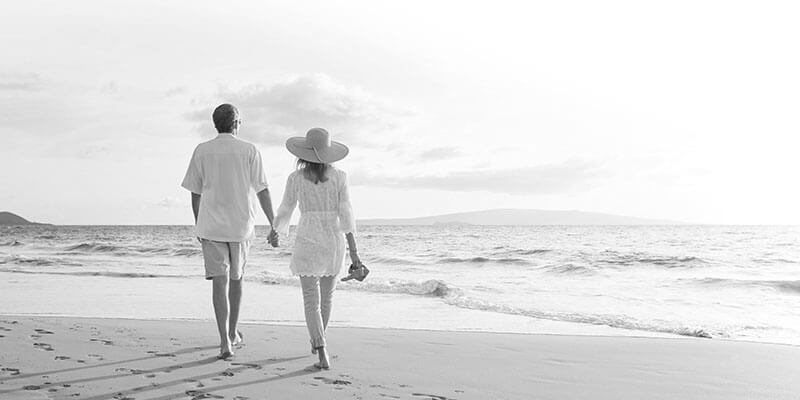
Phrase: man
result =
(223, 175)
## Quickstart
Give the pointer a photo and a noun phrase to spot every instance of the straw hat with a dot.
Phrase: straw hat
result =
(317, 147)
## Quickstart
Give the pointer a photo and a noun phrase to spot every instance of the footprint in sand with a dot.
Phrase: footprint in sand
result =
(227, 372)
(103, 341)
(199, 394)
(44, 331)
(97, 357)
(62, 358)
(4, 329)
(35, 336)
(31, 387)
(332, 381)
(43, 346)
(248, 365)
(12, 371)
(160, 354)
(120, 396)
(389, 396)
(431, 396)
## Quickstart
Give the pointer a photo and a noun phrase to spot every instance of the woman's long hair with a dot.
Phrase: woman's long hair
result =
(315, 172)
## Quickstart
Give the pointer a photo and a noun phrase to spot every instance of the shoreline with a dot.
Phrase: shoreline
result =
(642, 335)
(97, 358)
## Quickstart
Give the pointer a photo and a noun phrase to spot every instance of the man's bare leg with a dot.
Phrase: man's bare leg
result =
(235, 300)
(221, 312)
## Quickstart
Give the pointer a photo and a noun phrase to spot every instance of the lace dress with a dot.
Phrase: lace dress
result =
(325, 216)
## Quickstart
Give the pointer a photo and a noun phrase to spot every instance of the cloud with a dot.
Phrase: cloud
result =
(20, 82)
(440, 153)
(271, 113)
(568, 176)
(171, 202)
(175, 91)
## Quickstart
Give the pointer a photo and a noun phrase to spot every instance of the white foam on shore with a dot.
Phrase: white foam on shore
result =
(169, 298)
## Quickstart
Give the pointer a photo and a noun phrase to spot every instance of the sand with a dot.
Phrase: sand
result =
(90, 358)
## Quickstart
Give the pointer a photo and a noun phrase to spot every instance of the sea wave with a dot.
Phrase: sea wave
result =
(110, 274)
(482, 260)
(791, 286)
(427, 288)
(568, 269)
(456, 297)
(12, 243)
(614, 321)
(38, 261)
(385, 260)
(525, 252)
(615, 258)
(93, 248)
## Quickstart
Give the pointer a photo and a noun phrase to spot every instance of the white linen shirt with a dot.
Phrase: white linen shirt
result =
(227, 172)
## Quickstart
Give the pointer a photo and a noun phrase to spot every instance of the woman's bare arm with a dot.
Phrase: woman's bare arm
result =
(351, 244)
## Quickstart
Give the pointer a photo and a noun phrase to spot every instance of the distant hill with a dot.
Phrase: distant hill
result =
(521, 217)
(7, 218)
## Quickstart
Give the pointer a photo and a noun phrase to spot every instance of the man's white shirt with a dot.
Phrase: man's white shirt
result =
(227, 172)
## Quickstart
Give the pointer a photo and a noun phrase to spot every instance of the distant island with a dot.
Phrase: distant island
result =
(8, 218)
(521, 217)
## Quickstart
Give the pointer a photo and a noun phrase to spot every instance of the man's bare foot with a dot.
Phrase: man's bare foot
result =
(323, 363)
(237, 339)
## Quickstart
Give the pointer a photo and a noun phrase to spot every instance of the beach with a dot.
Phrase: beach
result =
(90, 358)
(529, 313)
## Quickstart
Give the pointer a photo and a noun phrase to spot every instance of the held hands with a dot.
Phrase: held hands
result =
(272, 238)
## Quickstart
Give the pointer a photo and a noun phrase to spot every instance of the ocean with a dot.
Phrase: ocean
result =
(723, 282)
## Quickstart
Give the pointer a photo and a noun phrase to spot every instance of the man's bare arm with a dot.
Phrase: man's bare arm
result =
(195, 205)
(266, 204)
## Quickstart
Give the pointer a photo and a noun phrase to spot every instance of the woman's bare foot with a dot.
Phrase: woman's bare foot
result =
(237, 339)
(323, 363)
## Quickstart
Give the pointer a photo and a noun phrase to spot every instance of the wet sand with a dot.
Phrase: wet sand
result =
(85, 358)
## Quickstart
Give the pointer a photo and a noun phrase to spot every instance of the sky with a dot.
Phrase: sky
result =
(681, 110)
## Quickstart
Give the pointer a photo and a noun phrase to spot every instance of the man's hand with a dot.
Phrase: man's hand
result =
(272, 238)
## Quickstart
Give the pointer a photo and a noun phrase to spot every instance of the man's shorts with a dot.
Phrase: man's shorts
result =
(225, 258)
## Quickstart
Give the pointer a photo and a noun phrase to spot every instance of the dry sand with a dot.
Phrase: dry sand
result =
(77, 358)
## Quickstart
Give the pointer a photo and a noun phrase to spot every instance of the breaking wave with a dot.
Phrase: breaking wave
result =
(131, 250)
(482, 260)
(38, 261)
(790, 286)
(97, 273)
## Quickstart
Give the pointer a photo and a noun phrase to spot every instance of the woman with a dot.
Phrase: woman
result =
(326, 220)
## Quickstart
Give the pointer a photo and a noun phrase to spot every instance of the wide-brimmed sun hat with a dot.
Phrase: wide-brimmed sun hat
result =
(317, 147)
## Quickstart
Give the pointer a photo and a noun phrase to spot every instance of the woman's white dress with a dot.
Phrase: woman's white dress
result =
(325, 216)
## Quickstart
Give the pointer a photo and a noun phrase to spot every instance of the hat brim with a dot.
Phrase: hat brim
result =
(299, 147)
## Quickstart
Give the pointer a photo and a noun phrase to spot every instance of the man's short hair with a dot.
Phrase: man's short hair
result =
(225, 117)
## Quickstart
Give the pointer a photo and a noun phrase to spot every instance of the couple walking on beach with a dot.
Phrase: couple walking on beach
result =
(223, 175)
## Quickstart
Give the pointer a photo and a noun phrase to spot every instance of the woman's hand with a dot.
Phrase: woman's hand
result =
(355, 259)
